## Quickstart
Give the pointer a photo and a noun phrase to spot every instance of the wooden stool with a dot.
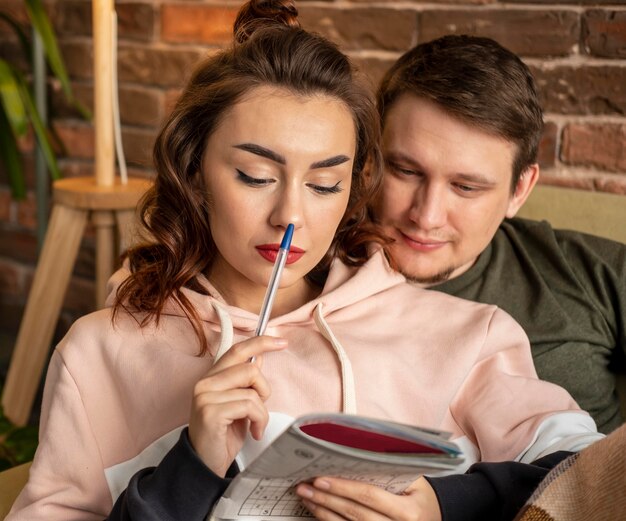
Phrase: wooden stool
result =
(75, 200)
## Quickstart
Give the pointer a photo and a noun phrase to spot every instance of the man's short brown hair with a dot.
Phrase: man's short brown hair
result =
(477, 81)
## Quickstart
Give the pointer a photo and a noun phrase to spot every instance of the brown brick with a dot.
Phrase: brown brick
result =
(570, 2)
(586, 89)
(547, 146)
(595, 145)
(27, 212)
(11, 311)
(614, 185)
(28, 170)
(138, 144)
(550, 177)
(78, 57)
(209, 24)
(72, 168)
(141, 106)
(418, 2)
(73, 18)
(16, 9)
(5, 204)
(77, 138)
(26, 143)
(604, 33)
(362, 28)
(160, 67)
(374, 69)
(11, 276)
(171, 97)
(134, 20)
(525, 32)
(19, 245)
(11, 51)
(86, 259)
(61, 107)
(80, 296)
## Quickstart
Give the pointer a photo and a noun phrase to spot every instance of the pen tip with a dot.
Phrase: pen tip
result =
(286, 242)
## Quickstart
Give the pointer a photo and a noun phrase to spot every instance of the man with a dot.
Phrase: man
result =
(462, 124)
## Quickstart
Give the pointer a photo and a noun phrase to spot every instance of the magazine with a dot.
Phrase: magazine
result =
(380, 452)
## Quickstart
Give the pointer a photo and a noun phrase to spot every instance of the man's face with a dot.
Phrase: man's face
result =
(447, 188)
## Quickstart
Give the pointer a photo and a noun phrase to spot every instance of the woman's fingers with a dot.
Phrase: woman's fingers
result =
(245, 350)
(230, 406)
(229, 401)
(243, 376)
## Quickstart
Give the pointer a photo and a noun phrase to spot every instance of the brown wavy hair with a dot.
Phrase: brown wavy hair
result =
(270, 48)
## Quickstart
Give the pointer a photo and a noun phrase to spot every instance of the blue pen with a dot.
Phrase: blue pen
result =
(279, 265)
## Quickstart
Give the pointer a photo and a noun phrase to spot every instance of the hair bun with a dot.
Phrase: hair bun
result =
(257, 14)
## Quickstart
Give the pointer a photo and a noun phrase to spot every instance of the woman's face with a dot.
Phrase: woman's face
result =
(276, 158)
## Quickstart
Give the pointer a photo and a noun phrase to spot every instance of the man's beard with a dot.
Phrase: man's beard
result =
(438, 278)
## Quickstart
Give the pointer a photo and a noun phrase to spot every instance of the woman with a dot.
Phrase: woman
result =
(273, 131)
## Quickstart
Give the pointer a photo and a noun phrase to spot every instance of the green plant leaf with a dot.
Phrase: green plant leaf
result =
(11, 99)
(21, 35)
(5, 424)
(39, 128)
(42, 25)
(22, 443)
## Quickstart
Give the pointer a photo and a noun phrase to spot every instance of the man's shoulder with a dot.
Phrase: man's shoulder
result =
(530, 235)
(528, 230)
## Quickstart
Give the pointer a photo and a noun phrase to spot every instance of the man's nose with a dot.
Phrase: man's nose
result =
(429, 210)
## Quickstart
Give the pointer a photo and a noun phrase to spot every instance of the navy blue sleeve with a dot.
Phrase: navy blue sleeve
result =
(494, 491)
(180, 488)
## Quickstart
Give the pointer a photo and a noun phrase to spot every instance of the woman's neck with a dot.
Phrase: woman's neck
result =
(246, 294)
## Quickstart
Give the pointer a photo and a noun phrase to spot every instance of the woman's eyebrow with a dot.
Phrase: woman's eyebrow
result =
(331, 161)
(262, 151)
(259, 150)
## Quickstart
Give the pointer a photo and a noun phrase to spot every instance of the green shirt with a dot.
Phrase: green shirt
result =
(568, 291)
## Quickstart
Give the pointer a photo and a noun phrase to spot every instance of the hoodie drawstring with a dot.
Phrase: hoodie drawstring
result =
(226, 325)
(347, 377)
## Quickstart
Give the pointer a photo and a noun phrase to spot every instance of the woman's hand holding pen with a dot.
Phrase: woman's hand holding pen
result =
(229, 401)
(334, 499)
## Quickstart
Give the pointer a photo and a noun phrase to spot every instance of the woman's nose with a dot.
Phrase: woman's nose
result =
(288, 209)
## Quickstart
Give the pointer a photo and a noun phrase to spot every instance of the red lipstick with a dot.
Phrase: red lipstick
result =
(270, 251)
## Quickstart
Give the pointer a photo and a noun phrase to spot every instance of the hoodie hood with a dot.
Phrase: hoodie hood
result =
(344, 287)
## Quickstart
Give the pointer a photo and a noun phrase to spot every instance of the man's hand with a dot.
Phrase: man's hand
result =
(334, 499)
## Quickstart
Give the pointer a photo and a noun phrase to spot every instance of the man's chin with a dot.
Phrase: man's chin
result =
(428, 279)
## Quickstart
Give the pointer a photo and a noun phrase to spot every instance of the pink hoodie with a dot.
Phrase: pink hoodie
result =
(116, 398)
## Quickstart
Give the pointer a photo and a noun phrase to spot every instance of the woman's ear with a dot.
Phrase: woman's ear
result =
(525, 185)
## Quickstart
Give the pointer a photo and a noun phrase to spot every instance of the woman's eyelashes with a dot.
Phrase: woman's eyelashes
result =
(253, 181)
(335, 189)
(258, 182)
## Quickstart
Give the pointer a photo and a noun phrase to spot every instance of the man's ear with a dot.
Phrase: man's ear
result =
(525, 185)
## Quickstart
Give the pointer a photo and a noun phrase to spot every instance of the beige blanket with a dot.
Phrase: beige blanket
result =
(589, 486)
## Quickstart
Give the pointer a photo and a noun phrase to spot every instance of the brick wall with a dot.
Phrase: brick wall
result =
(577, 51)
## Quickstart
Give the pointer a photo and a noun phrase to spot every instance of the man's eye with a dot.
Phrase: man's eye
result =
(335, 189)
(469, 189)
(252, 181)
(400, 170)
